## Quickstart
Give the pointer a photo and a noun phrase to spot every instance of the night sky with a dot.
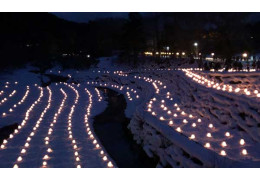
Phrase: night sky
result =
(86, 16)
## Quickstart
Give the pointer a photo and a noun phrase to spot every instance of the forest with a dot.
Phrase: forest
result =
(44, 39)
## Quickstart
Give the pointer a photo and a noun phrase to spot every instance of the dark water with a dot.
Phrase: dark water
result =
(111, 128)
(6, 131)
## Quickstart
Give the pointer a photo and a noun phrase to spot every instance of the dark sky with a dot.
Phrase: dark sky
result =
(86, 16)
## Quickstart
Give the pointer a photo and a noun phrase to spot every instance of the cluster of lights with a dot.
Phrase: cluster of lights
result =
(148, 53)
(20, 102)
(98, 93)
(91, 135)
(199, 69)
(222, 144)
(163, 53)
(118, 87)
(133, 91)
(46, 157)
(5, 99)
(27, 115)
(122, 74)
(105, 72)
(234, 70)
(129, 96)
(34, 131)
(150, 80)
(188, 120)
(178, 128)
(69, 128)
(211, 84)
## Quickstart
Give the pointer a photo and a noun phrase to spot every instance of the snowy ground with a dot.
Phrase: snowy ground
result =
(206, 113)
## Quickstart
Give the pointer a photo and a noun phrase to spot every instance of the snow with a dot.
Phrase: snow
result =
(214, 108)
(175, 115)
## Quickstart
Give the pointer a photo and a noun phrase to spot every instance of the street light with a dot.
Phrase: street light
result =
(245, 56)
(212, 54)
(167, 50)
(196, 48)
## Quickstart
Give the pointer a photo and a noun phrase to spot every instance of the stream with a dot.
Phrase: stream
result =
(111, 128)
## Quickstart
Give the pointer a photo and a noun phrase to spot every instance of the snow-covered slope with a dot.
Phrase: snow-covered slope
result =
(187, 118)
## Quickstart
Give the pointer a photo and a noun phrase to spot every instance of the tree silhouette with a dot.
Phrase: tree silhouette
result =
(133, 39)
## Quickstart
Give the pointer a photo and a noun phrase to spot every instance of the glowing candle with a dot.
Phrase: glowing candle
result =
(227, 134)
(210, 125)
(105, 158)
(209, 135)
(242, 142)
(223, 153)
(178, 129)
(19, 159)
(192, 136)
(237, 90)
(49, 150)
(223, 144)
(244, 152)
(207, 145)
(109, 164)
(46, 157)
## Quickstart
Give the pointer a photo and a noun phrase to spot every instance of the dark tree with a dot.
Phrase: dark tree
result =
(133, 39)
(230, 35)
